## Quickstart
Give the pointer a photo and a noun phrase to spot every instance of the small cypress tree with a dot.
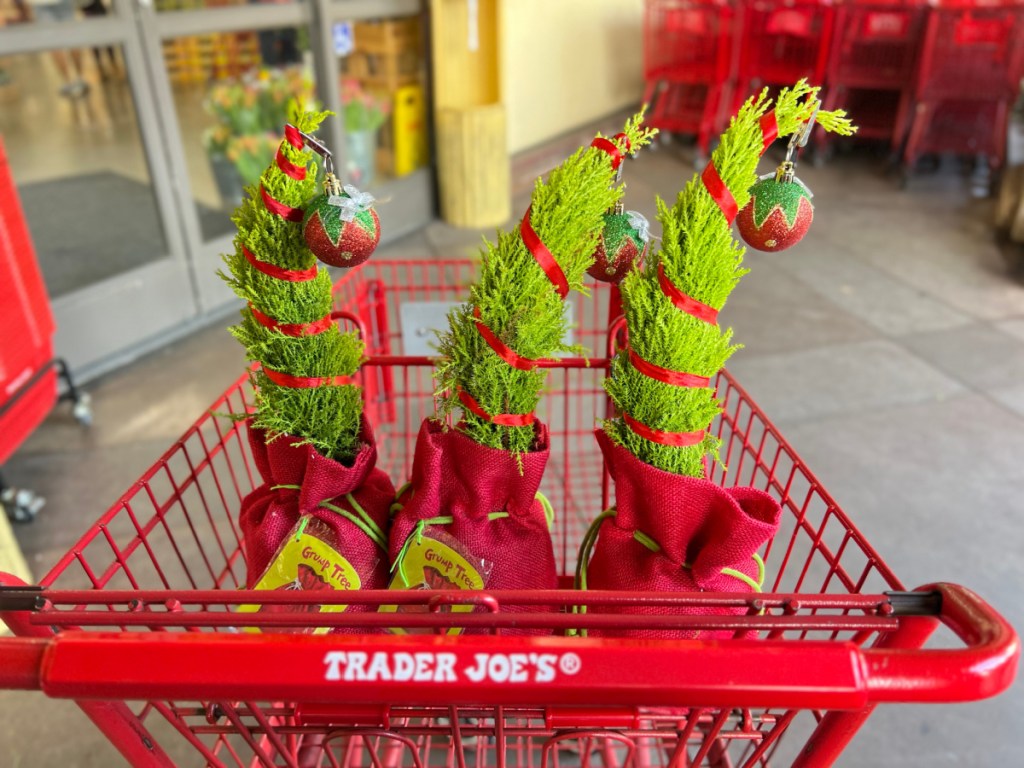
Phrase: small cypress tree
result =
(702, 259)
(517, 301)
(328, 416)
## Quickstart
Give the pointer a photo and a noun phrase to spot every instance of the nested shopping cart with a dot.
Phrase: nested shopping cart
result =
(871, 66)
(690, 49)
(968, 77)
(137, 622)
(781, 41)
(29, 370)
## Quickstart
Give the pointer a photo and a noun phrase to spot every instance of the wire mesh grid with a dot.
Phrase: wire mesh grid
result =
(270, 734)
(971, 53)
(876, 44)
(688, 40)
(783, 42)
(176, 529)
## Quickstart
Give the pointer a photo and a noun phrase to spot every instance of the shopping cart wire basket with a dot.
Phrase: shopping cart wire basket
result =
(137, 622)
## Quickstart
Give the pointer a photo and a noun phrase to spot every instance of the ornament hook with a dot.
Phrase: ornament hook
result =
(313, 143)
(787, 170)
(628, 153)
(800, 138)
(804, 134)
(321, 149)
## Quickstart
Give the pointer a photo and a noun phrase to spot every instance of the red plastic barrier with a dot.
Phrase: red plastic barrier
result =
(26, 325)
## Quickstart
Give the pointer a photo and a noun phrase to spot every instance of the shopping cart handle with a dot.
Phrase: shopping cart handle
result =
(21, 661)
(984, 668)
(553, 671)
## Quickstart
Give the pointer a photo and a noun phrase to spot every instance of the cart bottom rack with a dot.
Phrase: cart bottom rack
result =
(137, 622)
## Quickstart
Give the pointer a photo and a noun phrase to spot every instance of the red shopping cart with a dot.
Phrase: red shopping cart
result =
(28, 368)
(967, 79)
(142, 608)
(689, 58)
(782, 41)
(872, 63)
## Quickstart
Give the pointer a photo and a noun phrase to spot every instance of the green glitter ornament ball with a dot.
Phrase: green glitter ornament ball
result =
(778, 215)
(618, 249)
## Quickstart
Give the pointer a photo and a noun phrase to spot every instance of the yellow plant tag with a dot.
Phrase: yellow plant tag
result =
(432, 561)
(309, 564)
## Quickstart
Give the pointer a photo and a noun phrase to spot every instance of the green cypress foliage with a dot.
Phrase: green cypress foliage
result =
(702, 258)
(517, 300)
(328, 417)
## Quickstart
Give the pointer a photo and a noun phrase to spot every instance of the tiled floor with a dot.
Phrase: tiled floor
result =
(888, 346)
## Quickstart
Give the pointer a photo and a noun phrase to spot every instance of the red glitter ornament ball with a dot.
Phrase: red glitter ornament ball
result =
(778, 215)
(622, 244)
(335, 239)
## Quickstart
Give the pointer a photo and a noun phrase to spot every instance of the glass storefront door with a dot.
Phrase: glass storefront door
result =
(83, 142)
(228, 69)
(132, 127)
(375, 54)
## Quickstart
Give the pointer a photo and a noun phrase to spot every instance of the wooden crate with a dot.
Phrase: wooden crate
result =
(200, 58)
(388, 36)
(378, 72)
(384, 161)
(388, 54)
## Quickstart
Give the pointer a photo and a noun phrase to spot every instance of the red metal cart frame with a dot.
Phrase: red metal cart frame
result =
(968, 76)
(872, 64)
(690, 50)
(781, 41)
(141, 609)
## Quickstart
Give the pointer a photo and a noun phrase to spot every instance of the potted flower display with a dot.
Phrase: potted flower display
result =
(249, 111)
(363, 115)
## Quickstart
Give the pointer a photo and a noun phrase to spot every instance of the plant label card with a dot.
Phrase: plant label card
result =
(435, 560)
(306, 562)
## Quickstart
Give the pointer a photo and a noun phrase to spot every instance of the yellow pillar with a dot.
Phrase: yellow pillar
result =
(472, 149)
(11, 559)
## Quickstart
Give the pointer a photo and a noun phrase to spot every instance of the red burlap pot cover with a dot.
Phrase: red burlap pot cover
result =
(269, 515)
(452, 475)
(699, 528)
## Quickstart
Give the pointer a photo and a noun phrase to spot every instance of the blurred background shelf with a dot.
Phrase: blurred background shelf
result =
(211, 57)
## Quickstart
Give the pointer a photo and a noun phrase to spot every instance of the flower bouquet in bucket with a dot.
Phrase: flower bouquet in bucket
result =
(671, 529)
(319, 519)
(471, 515)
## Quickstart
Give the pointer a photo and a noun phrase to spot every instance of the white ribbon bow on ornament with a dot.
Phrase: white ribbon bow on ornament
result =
(639, 222)
(352, 202)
